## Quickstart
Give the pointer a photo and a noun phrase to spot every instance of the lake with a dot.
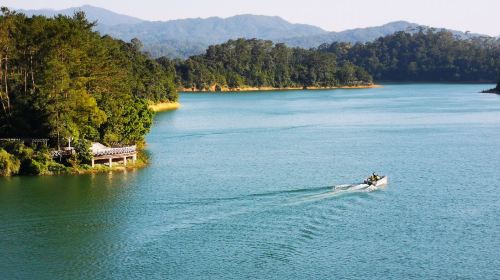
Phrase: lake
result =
(240, 186)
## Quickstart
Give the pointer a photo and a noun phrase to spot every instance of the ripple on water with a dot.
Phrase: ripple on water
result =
(236, 189)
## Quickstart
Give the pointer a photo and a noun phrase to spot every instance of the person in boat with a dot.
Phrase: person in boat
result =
(372, 179)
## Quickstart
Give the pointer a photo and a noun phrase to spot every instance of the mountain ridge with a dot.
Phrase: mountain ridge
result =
(181, 38)
(103, 16)
(213, 29)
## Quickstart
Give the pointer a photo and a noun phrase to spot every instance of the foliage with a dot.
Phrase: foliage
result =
(31, 161)
(57, 168)
(424, 56)
(9, 164)
(498, 82)
(59, 79)
(83, 152)
(259, 63)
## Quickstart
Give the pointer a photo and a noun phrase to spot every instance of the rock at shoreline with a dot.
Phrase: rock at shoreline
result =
(493, 90)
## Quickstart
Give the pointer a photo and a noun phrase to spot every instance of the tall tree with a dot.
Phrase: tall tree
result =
(60, 79)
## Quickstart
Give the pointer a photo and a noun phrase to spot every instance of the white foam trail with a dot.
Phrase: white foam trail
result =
(336, 191)
(243, 206)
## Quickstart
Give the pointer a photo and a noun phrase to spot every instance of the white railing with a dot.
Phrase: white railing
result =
(114, 151)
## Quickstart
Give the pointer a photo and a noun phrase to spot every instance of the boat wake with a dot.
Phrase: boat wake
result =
(335, 191)
(182, 215)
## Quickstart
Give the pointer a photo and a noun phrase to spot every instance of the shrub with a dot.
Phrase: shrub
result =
(82, 149)
(30, 166)
(57, 168)
(85, 167)
(19, 150)
(9, 164)
(33, 162)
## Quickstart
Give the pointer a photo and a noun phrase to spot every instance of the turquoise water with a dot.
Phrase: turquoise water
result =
(239, 186)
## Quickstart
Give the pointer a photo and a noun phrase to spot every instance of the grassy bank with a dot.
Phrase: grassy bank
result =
(164, 106)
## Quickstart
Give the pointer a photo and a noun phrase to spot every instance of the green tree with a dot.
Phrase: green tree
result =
(9, 164)
(426, 55)
(83, 152)
(260, 63)
(60, 79)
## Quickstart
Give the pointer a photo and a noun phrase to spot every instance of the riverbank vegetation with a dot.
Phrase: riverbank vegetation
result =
(19, 159)
(62, 81)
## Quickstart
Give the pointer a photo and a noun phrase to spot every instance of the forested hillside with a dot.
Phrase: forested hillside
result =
(259, 63)
(425, 56)
(60, 79)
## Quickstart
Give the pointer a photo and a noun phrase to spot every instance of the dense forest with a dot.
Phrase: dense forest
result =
(60, 80)
(259, 63)
(426, 56)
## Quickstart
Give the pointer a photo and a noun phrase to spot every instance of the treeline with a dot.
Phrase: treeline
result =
(60, 79)
(425, 56)
(259, 63)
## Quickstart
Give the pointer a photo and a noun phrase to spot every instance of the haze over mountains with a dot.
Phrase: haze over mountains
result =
(186, 37)
(103, 16)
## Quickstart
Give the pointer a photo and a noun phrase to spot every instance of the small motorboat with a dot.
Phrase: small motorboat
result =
(380, 182)
(368, 183)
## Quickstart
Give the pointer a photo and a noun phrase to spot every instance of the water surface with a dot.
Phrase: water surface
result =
(239, 186)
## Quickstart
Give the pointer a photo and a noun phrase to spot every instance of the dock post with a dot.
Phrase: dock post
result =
(110, 162)
(93, 164)
(125, 160)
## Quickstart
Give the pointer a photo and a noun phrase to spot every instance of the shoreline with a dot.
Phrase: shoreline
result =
(141, 162)
(495, 90)
(252, 89)
(164, 106)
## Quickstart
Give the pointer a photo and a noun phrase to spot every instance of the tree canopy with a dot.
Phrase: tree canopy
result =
(60, 79)
(261, 63)
(426, 56)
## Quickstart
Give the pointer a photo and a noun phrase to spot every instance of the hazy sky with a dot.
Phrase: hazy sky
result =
(481, 16)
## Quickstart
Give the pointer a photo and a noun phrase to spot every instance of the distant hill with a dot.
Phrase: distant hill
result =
(212, 30)
(186, 37)
(102, 16)
(352, 35)
(367, 34)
